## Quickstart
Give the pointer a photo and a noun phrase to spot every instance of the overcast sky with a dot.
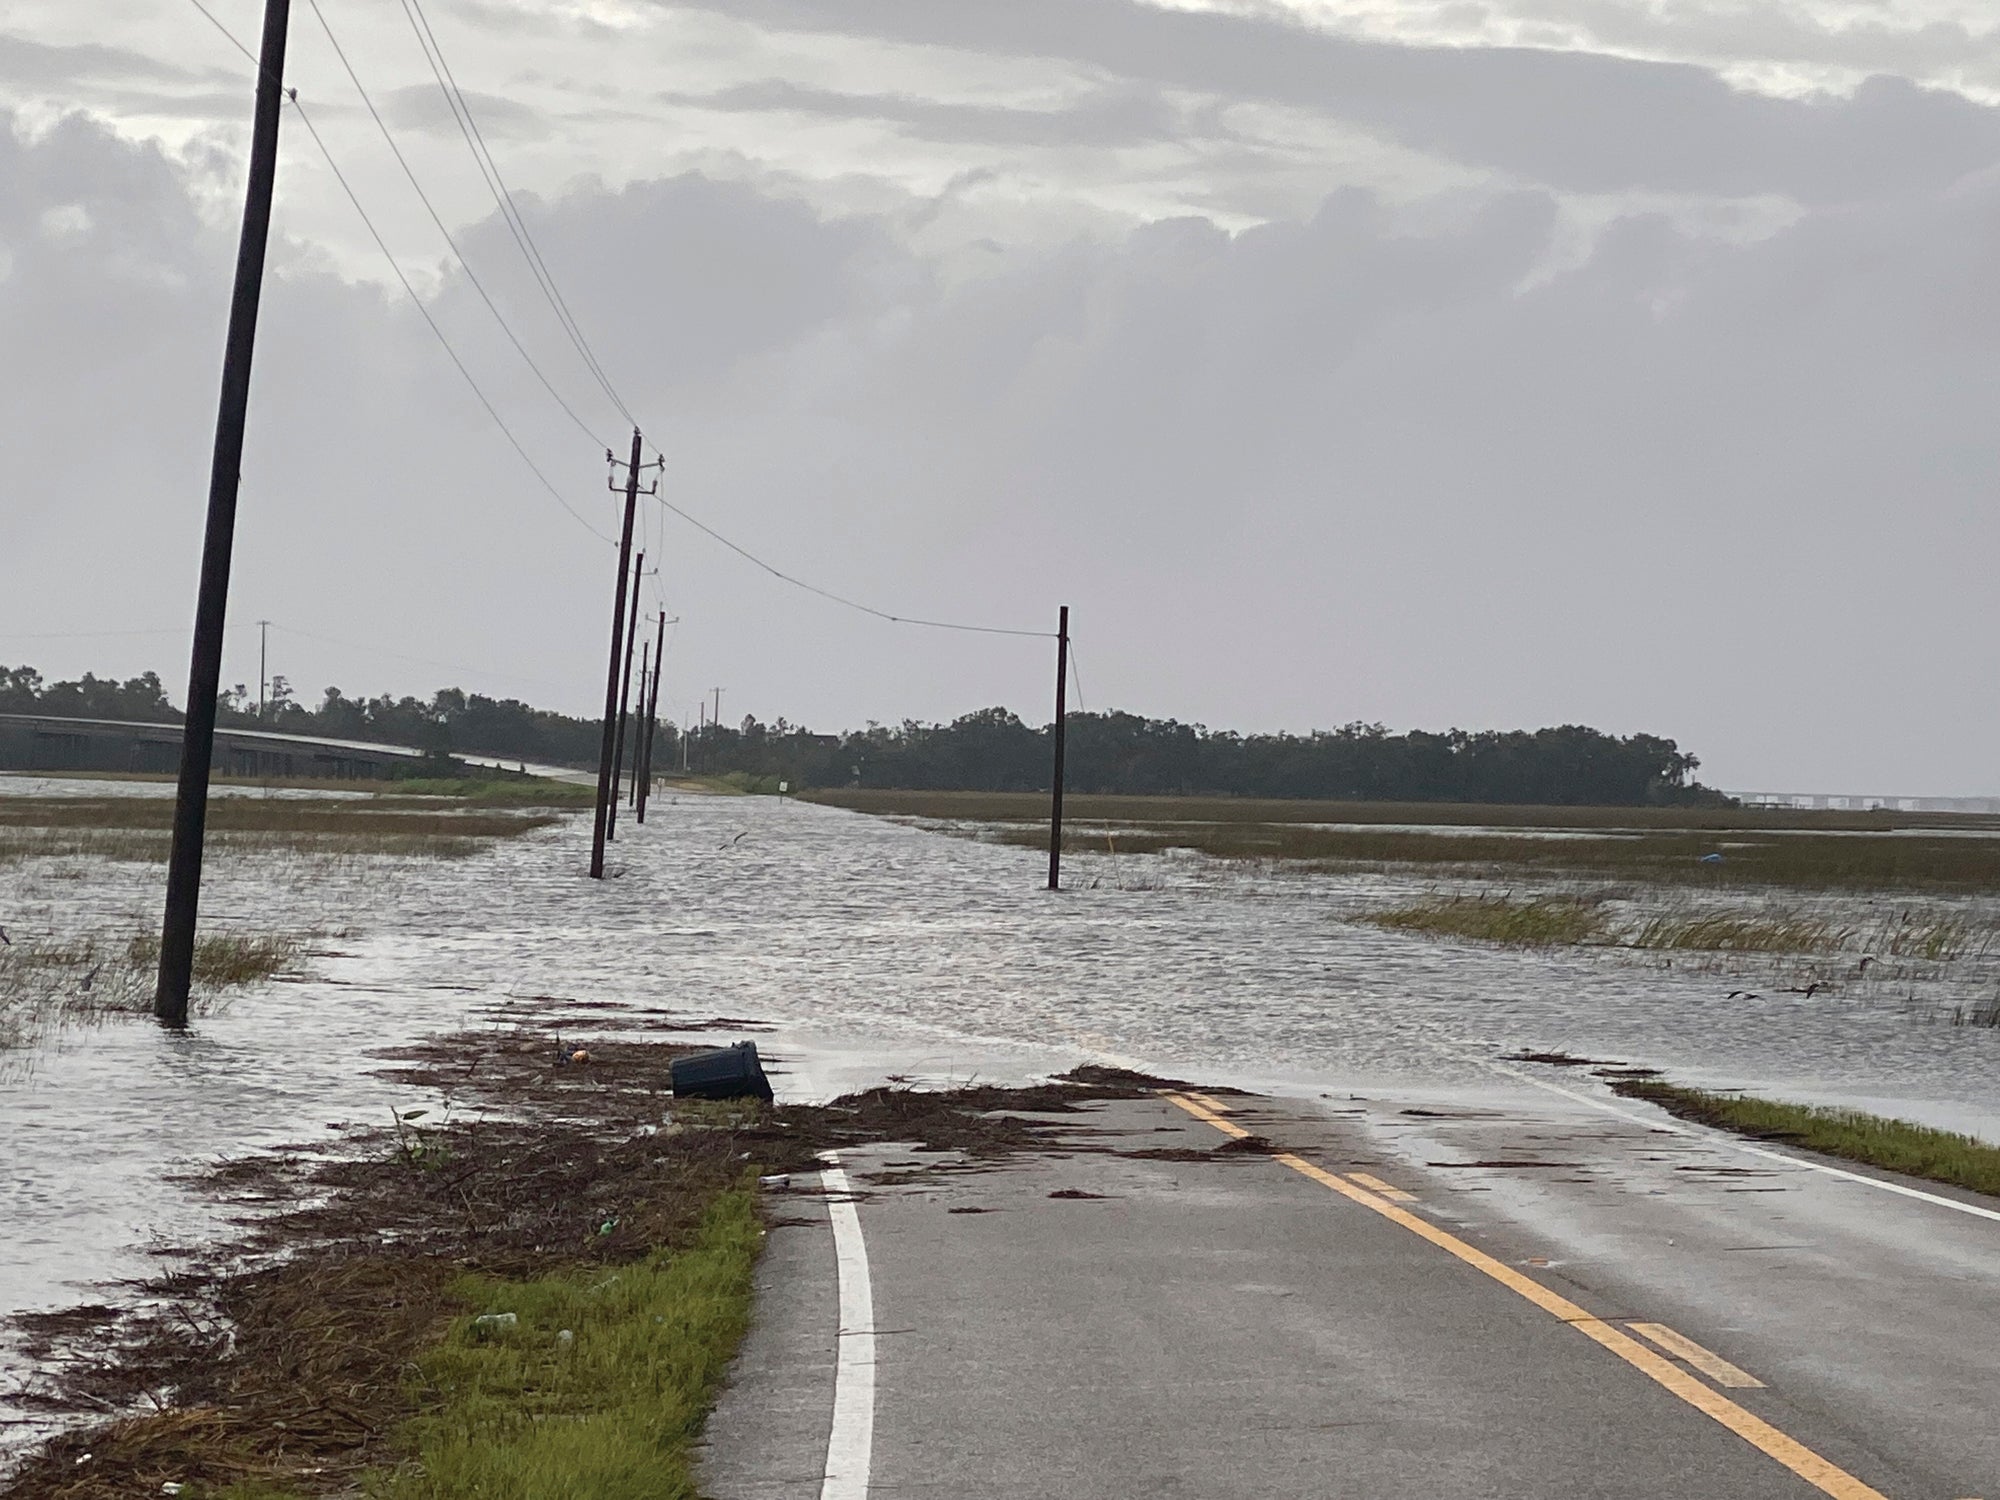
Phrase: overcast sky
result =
(1488, 363)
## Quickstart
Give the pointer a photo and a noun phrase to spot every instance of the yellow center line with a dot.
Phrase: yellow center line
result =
(1822, 1474)
(1388, 1190)
(1711, 1364)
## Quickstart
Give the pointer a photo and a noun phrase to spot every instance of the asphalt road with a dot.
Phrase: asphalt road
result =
(1509, 1295)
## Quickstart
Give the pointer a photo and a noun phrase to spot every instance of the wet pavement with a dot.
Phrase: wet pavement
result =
(1100, 1323)
(872, 948)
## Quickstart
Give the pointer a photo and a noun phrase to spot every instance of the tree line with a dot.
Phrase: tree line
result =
(990, 750)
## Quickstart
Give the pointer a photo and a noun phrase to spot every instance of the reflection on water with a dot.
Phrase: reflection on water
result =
(850, 927)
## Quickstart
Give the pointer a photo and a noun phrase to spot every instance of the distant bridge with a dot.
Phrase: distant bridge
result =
(1861, 802)
(50, 742)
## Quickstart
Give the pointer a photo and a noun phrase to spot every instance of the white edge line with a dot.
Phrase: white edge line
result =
(850, 1443)
(1721, 1138)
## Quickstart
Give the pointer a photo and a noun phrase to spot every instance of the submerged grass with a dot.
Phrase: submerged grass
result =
(1031, 807)
(137, 829)
(1806, 849)
(1587, 919)
(45, 984)
(1893, 1145)
(1543, 922)
(1801, 860)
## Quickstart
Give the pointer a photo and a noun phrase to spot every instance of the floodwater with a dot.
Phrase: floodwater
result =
(875, 947)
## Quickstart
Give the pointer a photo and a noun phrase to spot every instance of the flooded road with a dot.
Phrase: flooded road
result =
(874, 947)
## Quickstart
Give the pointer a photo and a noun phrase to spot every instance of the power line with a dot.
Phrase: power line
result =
(430, 322)
(813, 588)
(458, 255)
(75, 635)
(503, 198)
(423, 661)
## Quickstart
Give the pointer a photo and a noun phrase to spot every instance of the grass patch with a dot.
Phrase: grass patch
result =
(1804, 849)
(601, 1387)
(1893, 1145)
(1549, 921)
(1540, 923)
(1806, 861)
(1735, 932)
(1030, 807)
(137, 829)
(44, 983)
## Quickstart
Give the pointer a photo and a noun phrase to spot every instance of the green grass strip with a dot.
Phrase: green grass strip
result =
(1873, 1140)
(612, 1412)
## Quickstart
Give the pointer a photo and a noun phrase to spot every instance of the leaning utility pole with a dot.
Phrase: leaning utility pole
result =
(652, 720)
(177, 927)
(605, 763)
(1061, 727)
(624, 699)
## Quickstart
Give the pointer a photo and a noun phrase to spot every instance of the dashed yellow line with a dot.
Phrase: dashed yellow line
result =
(1821, 1473)
(1711, 1364)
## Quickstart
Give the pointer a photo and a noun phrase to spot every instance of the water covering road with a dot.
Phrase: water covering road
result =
(877, 947)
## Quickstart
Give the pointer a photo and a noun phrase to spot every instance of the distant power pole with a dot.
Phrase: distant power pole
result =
(624, 700)
(639, 729)
(605, 761)
(1061, 735)
(177, 926)
(263, 652)
(652, 728)
(716, 717)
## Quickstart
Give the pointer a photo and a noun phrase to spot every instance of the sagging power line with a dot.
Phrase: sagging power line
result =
(471, 276)
(395, 266)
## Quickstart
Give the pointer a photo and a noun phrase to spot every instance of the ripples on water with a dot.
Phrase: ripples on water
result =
(861, 929)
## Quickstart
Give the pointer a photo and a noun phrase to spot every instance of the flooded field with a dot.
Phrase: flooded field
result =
(896, 949)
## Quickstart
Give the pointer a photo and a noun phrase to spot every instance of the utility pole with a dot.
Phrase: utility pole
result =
(263, 675)
(716, 717)
(183, 906)
(652, 719)
(605, 762)
(1061, 726)
(639, 730)
(624, 699)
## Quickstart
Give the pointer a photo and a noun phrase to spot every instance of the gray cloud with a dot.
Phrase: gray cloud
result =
(1575, 121)
(36, 65)
(1108, 117)
(1378, 462)
(423, 107)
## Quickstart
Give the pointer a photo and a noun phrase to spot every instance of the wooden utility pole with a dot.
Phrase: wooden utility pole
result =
(652, 719)
(639, 730)
(1062, 716)
(177, 927)
(605, 758)
(263, 671)
(624, 699)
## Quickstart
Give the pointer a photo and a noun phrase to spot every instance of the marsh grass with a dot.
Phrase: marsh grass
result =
(1539, 923)
(1589, 919)
(137, 829)
(1032, 807)
(50, 983)
(1805, 861)
(1735, 932)
(1893, 1145)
